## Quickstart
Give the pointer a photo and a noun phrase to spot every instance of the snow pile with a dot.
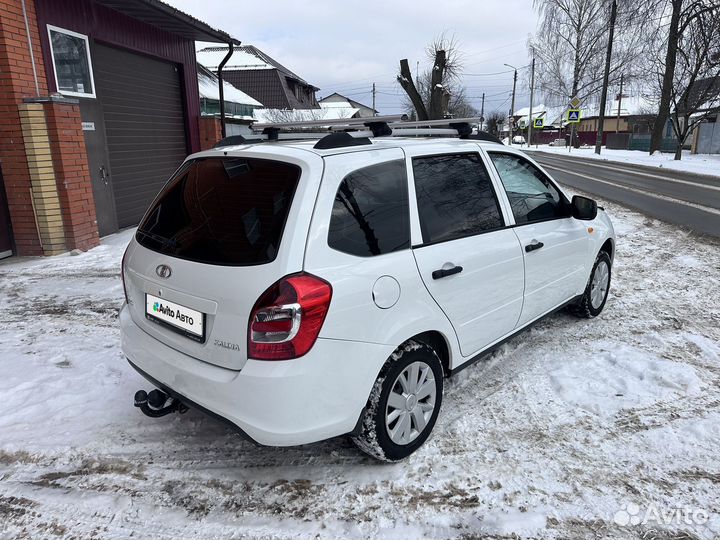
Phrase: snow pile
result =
(574, 429)
(708, 164)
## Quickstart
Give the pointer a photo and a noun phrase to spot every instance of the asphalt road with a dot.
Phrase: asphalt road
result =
(689, 200)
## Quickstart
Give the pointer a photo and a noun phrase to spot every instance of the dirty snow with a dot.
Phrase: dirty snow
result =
(707, 164)
(575, 429)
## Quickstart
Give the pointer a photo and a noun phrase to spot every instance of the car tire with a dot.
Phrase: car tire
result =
(596, 292)
(389, 429)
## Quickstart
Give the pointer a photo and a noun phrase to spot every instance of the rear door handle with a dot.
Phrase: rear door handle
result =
(438, 274)
(535, 245)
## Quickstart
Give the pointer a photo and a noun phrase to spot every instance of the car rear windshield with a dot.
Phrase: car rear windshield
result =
(225, 211)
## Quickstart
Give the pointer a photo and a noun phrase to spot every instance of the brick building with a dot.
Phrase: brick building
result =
(98, 105)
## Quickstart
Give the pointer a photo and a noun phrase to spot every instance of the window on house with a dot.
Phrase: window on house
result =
(71, 62)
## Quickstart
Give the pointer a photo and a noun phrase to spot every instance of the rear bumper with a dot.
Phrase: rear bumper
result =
(283, 403)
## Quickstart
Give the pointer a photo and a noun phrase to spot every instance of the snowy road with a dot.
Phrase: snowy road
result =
(575, 429)
(691, 201)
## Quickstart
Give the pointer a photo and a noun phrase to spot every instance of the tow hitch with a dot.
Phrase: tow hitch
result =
(157, 403)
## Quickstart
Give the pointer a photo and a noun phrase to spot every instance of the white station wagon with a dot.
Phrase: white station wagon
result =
(305, 289)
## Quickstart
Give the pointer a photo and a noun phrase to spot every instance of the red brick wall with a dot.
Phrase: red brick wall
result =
(210, 132)
(17, 82)
(71, 170)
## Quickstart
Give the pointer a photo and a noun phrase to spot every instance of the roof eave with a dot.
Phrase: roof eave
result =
(153, 11)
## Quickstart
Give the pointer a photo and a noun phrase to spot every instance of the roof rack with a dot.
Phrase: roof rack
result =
(346, 132)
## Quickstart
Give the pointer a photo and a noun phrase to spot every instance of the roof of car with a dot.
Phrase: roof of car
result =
(308, 145)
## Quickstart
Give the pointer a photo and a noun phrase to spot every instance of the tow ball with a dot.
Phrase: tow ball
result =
(157, 403)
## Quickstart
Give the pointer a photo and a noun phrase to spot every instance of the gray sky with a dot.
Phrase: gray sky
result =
(345, 46)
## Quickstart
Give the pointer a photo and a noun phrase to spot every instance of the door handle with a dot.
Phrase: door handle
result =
(533, 246)
(443, 272)
(103, 174)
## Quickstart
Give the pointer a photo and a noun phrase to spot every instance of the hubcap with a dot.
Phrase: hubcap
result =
(599, 285)
(411, 403)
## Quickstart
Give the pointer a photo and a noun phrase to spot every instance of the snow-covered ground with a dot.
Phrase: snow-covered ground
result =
(708, 164)
(575, 429)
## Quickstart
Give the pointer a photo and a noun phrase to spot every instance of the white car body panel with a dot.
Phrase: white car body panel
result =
(226, 294)
(377, 303)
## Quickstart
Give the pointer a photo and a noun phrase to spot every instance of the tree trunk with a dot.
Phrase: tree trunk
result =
(437, 90)
(678, 151)
(670, 60)
(406, 81)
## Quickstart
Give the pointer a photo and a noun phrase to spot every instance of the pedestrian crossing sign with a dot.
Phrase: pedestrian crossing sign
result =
(538, 123)
(573, 116)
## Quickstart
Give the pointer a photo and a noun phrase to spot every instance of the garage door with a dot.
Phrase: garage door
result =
(142, 102)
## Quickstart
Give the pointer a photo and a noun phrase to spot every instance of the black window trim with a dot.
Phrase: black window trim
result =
(504, 226)
(552, 182)
(182, 168)
(409, 221)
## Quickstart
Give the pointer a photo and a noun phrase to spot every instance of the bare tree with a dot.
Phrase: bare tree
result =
(691, 54)
(458, 106)
(274, 116)
(696, 82)
(493, 121)
(570, 42)
(432, 95)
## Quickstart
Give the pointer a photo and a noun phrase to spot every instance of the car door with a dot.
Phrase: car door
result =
(554, 244)
(469, 261)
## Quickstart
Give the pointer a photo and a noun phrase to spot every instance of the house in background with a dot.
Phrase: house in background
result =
(99, 104)
(239, 109)
(339, 101)
(705, 94)
(629, 114)
(266, 80)
(238, 105)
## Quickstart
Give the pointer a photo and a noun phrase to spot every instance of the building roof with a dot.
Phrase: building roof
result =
(342, 102)
(262, 84)
(209, 89)
(285, 71)
(245, 57)
(170, 19)
(704, 94)
(211, 57)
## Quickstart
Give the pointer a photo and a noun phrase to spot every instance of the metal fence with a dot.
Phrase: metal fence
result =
(641, 141)
(708, 141)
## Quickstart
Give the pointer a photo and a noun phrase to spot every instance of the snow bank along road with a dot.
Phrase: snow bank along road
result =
(689, 200)
(575, 429)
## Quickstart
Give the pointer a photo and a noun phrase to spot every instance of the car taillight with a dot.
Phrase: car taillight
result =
(122, 274)
(286, 320)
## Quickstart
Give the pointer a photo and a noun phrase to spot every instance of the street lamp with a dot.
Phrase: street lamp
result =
(512, 105)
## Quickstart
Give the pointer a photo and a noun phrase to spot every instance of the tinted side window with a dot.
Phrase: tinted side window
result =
(531, 195)
(370, 215)
(455, 197)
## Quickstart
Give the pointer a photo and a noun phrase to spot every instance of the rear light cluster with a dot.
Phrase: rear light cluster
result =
(286, 320)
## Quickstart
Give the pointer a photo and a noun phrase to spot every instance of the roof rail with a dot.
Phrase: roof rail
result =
(345, 132)
(349, 122)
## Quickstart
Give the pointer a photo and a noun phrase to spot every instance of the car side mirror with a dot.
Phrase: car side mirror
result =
(583, 208)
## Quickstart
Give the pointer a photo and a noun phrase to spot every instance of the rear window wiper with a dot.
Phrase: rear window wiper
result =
(158, 238)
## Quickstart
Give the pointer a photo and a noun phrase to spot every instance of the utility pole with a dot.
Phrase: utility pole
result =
(532, 92)
(617, 124)
(482, 113)
(374, 114)
(606, 77)
(512, 104)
